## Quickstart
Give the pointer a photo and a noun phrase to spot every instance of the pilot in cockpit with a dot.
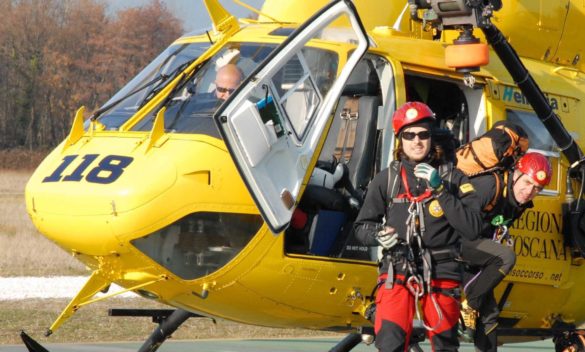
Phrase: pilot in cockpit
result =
(227, 79)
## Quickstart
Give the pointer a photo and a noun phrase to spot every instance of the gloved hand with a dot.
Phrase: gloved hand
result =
(387, 237)
(429, 173)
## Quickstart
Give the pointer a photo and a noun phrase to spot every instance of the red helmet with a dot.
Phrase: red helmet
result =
(410, 113)
(536, 166)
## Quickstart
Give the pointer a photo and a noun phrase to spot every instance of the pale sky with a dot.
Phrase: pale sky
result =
(191, 12)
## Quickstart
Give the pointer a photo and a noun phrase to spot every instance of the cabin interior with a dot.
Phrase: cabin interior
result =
(358, 146)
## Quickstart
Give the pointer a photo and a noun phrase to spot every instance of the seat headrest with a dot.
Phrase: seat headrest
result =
(363, 80)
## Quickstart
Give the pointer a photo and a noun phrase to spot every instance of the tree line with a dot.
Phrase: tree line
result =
(57, 55)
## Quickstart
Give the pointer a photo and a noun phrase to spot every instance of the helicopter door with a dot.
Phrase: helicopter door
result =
(274, 122)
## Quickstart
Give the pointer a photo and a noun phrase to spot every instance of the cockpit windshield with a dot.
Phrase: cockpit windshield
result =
(191, 105)
(303, 79)
(190, 108)
(167, 62)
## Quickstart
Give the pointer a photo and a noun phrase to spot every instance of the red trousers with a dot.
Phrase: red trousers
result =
(395, 309)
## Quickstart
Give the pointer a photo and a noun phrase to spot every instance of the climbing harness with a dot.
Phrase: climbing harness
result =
(417, 254)
(412, 256)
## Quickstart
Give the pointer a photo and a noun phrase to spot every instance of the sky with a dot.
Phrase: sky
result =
(191, 12)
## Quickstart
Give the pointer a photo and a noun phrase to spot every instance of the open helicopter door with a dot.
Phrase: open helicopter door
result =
(274, 121)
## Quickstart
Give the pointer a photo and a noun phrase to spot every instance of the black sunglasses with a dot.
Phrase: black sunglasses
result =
(224, 90)
(422, 135)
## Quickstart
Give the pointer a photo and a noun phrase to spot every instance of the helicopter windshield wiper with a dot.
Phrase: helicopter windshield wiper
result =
(160, 78)
(180, 85)
(164, 79)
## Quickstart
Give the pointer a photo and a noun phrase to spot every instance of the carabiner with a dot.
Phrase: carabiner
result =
(412, 208)
(414, 288)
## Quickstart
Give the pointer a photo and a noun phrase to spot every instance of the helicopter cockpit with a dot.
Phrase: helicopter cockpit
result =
(149, 82)
(201, 243)
(193, 103)
(190, 108)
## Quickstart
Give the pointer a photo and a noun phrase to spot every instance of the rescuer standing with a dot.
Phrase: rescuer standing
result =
(417, 210)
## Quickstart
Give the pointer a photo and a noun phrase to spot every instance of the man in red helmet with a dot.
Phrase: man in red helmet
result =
(489, 259)
(417, 210)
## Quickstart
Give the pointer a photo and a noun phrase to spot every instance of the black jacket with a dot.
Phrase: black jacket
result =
(506, 204)
(450, 215)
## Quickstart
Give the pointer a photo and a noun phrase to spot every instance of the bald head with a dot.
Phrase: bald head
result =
(228, 77)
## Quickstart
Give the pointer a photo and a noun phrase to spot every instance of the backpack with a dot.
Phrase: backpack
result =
(495, 150)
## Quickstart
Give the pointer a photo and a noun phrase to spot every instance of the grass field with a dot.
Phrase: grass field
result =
(25, 252)
(92, 324)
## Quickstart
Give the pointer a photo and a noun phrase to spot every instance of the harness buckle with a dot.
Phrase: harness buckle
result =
(346, 114)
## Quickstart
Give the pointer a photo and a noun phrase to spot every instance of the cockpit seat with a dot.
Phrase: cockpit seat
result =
(351, 144)
(352, 136)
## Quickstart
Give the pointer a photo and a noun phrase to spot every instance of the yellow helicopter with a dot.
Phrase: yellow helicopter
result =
(242, 208)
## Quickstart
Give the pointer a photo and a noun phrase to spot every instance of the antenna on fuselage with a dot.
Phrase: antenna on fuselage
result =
(398, 21)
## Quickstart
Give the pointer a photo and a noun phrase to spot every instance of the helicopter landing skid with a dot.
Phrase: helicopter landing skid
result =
(366, 335)
(168, 321)
(31, 344)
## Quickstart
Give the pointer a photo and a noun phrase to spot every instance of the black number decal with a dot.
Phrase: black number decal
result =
(109, 169)
(77, 174)
(58, 173)
(113, 165)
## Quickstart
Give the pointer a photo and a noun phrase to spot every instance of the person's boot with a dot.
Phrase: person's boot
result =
(469, 316)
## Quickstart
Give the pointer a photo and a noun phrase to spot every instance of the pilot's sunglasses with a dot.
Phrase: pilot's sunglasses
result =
(225, 90)
(422, 135)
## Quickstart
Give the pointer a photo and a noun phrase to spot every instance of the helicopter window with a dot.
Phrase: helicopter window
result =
(283, 31)
(446, 99)
(539, 137)
(200, 243)
(191, 108)
(541, 140)
(173, 57)
(302, 82)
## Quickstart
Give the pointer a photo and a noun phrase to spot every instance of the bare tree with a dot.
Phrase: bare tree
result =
(56, 55)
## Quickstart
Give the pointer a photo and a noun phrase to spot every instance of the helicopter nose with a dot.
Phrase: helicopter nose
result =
(83, 211)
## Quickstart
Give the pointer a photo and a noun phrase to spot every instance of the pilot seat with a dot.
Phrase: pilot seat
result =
(322, 224)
